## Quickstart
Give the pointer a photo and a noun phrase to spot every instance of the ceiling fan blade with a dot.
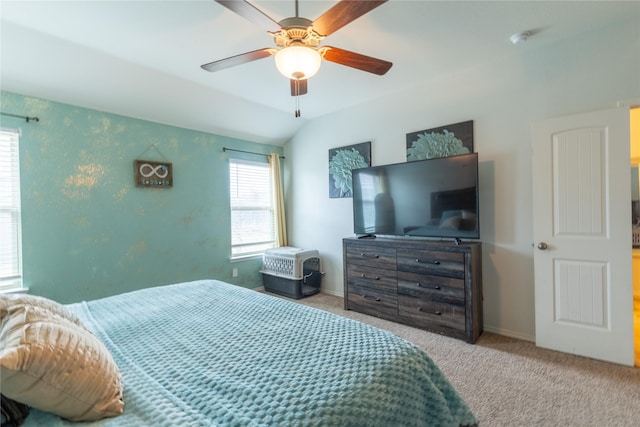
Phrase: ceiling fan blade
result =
(343, 13)
(356, 60)
(298, 87)
(251, 13)
(243, 58)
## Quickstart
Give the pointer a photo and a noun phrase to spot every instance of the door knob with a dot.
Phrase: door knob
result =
(542, 246)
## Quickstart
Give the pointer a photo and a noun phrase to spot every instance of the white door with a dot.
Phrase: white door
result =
(582, 235)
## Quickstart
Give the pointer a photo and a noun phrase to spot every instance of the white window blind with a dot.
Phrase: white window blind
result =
(10, 227)
(252, 218)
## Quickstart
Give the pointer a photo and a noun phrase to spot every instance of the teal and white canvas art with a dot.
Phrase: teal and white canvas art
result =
(342, 161)
(444, 141)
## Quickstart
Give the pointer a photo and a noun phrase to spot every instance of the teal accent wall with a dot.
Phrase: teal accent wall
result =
(89, 232)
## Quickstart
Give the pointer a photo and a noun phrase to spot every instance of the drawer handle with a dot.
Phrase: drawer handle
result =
(436, 287)
(370, 297)
(419, 261)
(437, 313)
(369, 256)
(364, 276)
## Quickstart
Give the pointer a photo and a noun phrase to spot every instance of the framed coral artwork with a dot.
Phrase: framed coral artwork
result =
(341, 161)
(443, 141)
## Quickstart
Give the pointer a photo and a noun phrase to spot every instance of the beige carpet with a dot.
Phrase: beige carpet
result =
(509, 382)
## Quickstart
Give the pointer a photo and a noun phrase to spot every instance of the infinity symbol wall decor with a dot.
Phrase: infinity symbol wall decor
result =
(153, 174)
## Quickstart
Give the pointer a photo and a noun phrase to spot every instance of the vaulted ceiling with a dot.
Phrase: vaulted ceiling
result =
(142, 58)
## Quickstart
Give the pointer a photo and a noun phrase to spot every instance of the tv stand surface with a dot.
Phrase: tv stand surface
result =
(431, 285)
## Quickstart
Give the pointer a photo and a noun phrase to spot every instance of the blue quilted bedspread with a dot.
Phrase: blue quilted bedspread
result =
(209, 353)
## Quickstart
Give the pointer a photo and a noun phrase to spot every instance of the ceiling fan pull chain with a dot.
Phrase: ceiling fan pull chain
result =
(297, 106)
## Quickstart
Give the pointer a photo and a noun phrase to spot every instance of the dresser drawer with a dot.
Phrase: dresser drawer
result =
(378, 278)
(380, 302)
(439, 263)
(371, 255)
(431, 314)
(436, 286)
(432, 288)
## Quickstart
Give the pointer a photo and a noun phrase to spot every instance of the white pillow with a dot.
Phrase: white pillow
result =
(7, 300)
(50, 363)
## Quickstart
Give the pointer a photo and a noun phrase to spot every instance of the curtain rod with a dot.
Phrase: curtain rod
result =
(248, 152)
(27, 118)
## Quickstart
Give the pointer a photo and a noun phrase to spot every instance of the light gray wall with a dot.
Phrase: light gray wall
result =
(504, 98)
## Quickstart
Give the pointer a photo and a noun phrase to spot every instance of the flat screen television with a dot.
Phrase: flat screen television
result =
(436, 198)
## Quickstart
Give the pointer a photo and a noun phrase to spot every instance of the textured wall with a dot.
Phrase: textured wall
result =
(89, 232)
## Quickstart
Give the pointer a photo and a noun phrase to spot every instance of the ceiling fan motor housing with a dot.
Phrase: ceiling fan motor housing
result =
(296, 31)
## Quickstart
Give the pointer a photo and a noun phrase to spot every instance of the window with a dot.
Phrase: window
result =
(252, 218)
(10, 228)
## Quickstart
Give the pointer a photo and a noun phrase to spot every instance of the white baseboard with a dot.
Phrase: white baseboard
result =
(334, 293)
(509, 333)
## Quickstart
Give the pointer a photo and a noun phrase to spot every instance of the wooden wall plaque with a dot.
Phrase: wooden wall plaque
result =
(153, 174)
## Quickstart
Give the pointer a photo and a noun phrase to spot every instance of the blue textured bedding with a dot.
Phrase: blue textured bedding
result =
(209, 353)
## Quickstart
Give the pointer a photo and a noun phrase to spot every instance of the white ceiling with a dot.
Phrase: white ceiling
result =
(142, 58)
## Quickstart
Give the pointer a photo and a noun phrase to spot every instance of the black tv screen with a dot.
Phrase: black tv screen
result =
(435, 198)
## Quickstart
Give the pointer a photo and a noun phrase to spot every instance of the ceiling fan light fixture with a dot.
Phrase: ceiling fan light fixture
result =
(298, 62)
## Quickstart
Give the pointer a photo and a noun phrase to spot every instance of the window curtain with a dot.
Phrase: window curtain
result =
(278, 201)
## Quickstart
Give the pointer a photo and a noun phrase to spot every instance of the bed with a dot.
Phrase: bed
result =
(209, 353)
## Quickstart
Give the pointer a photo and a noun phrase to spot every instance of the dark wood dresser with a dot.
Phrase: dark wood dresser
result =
(431, 285)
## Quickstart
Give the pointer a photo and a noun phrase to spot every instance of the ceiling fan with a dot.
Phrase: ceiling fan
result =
(298, 53)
